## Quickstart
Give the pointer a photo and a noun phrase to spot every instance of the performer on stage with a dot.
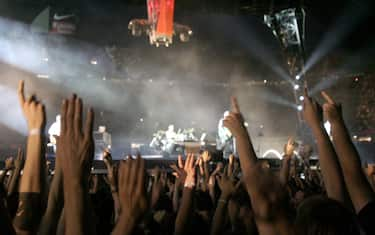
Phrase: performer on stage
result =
(53, 131)
(225, 139)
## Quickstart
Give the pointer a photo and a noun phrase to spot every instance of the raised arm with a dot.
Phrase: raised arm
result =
(9, 165)
(14, 179)
(330, 168)
(227, 186)
(112, 182)
(285, 167)
(235, 123)
(132, 193)
(55, 204)
(358, 187)
(29, 207)
(77, 149)
(268, 196)
(186, 207)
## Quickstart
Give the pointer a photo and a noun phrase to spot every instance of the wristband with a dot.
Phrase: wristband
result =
(34, 131)
(189, 185)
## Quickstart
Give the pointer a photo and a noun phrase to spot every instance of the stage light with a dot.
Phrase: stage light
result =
(301, 98)
(296, 86)
(299, 108)
(93, 61)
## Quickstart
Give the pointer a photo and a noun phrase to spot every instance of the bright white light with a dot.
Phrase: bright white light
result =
(265, 81)
(141, 119)
(45, 76)
(104, 78)
(46, 59)
(296, 87)
(272, 151)
(94, 62)
(246, 124)
(150, 80)
(301, 98)
(298, 77)
(299, 107)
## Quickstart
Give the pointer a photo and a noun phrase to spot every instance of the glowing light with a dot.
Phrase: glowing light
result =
(299, 108)
(45, 76)
(264, 81)
(296, 87)
(141, 119)
(301, 98)
(46, 59)
(272, 151)
(94, 62)
(298, 77)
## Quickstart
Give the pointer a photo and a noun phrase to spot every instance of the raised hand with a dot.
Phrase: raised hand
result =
(312, 111)
(32, 109)
(227, 184)
(331, 110)
(76, 142)
(20, 160)
(111, 171)
(158, 186)
(189, 168)
(185, 172)
(76, 151)
(234, 121)
(132, 193)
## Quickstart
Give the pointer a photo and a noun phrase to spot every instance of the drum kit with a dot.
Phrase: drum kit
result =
(170, 143)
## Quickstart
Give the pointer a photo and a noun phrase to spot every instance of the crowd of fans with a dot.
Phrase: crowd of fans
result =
(195, 196)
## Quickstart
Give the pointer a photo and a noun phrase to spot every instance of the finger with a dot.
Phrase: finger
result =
(89, 124)
(327, 98)
(63, 112)
(78, 116)
(127, 177)
(121, 174)
(140, 187)
(21, 92)
(305, 93)
(226, 170)
(234, 104)
(133, 174)
(70, 113)
(180, 162)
